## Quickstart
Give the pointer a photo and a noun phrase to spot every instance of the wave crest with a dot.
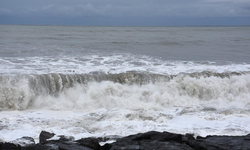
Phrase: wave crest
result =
(83, 91)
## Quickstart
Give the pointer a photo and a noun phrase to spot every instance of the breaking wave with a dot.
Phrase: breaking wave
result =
(132, 90)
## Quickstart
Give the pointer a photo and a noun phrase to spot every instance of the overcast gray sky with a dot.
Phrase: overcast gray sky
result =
(125, 12)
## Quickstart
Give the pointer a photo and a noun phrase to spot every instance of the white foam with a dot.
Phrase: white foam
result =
(181, 91)
(101, 122)
(204, 105)
(108, 108)
(110, 64)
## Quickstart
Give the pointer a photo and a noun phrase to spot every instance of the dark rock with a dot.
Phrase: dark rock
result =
(24, 141)
(158, 136)
(158, 145)
(199, 137)
(106, 147)
(66, 138)
(65, 145)
(220, 143)
(187, 137)
(44, 135)
(89, 142)
(57, 145)
(247, 137)
(10, 146)
(143, 141)
(149, 145)
(125, 145)
(41, 147)
(150, 140)
(108, 138)
(153, 140)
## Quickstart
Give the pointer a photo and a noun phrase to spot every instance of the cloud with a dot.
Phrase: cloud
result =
(139, 8)
(79, 9)
(4, 11)
(229, 8)
(53, 9)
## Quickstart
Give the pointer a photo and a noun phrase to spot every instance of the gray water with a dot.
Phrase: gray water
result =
(47, 60)
(103, 81)
(219, 44)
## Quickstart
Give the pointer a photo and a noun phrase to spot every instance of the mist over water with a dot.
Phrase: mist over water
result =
(99, 80)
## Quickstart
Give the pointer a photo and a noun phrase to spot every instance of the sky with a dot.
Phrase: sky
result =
(126, 12)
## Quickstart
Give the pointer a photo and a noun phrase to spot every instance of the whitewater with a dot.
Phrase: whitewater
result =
(101, 81)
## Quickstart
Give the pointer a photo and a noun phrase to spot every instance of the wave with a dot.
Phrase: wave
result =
(114, 64)
(132, 90)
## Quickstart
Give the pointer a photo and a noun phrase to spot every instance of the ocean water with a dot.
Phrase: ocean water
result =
(99, 81)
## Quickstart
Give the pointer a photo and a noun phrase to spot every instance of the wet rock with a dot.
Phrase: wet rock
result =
(106, 147)
(24, 141)
(158, 145)
(125, 145)
(44, 135)
(66, 138)
(247, 137)
(66, 145)
(57, 145)
(220, 143)
(41, 147)
(109, 138)
(10, 146)
(151, 140)
(187, 137)
(143, 141)
(89, 142)
(148, 145)
(158, 136)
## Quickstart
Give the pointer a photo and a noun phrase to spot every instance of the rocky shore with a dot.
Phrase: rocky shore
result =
(143, 141)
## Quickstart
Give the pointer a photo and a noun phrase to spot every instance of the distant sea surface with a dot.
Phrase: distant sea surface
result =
(98, 81)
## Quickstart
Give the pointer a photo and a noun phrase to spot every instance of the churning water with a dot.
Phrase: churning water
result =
(97, 81)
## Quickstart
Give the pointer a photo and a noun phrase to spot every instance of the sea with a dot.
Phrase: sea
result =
(85, 81)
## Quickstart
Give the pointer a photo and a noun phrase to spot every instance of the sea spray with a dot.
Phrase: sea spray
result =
(131, 90)
(99, 81)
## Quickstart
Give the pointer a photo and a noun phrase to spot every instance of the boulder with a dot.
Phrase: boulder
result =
(221, 143)
(143, 141)
(57, 145)
(67, 145)
(159, 145)
(187, 137)
(151, 140)
(41, 147)
(44, 135)
(89, 142)
(24, 141)
(158, 136)
(109, 138)
(125, 144)
(10, 146)
(66, 138)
